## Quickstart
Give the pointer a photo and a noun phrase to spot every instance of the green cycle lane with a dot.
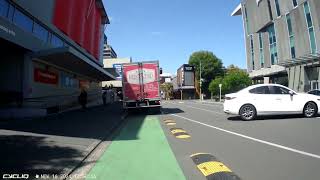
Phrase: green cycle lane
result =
(139, 152)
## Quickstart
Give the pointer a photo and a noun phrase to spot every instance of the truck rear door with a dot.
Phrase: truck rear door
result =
(150, 80)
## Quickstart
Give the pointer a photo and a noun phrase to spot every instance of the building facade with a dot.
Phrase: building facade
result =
(116, 64)
(186, 81)
(282, 40)
(50, 50)
(108, 52)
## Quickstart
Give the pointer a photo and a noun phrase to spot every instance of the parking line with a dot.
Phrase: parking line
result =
(253, 139)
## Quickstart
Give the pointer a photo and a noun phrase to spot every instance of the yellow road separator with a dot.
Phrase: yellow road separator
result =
(169, 122)
(212, 168)
(180, 133)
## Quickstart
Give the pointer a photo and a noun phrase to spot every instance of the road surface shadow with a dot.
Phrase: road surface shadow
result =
(273, 117)
(91, 123)
(172, 111)
(35, 155)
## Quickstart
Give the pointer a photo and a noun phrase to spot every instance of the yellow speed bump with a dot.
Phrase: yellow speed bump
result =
(177, 130)
(170, 123)
(183, 136)
(212, 168)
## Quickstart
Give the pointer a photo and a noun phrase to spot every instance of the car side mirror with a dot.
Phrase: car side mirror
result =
(291, 93)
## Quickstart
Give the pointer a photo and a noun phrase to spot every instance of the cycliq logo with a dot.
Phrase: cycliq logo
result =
(15, 176)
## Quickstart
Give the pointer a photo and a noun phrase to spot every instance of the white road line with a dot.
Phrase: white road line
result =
(253, 139)
(201, 109)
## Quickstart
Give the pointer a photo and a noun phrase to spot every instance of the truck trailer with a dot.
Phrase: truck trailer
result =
(141, 85)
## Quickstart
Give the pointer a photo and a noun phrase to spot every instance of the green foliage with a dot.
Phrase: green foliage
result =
(211, 67)
(214, 85)
(235, 80)
(167, 88)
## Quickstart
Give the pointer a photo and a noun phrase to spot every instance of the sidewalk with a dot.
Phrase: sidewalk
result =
(140, 151)
(56, 144)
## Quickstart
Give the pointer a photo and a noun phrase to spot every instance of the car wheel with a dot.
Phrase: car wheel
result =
(310, 109)
(248, 112)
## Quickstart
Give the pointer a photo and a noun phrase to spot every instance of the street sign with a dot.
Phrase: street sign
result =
(220, 85)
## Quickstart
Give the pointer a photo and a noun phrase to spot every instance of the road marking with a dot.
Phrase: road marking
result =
(170, 123)
(196, 154)
(199, 108)
(174, 131)
(253, 139)
(183, 136)
(212, 167)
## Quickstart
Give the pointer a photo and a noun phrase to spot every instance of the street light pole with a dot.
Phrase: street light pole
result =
(200, 83)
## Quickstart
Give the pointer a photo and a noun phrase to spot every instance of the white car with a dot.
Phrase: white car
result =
(270, 99)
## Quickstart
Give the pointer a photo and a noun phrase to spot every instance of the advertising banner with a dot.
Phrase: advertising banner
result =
(118, 68)
(45, 76)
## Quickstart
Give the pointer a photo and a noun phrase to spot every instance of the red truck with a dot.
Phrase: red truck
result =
(141, 85)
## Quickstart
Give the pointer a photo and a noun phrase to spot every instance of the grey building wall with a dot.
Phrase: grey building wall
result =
(258, 16)
(266, 50)
(259, 19)
(282, 39)
(256, 51)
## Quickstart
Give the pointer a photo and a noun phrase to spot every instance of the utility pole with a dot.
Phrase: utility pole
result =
(200, 83)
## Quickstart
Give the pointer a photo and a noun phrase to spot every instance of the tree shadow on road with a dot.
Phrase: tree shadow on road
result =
(35, 155)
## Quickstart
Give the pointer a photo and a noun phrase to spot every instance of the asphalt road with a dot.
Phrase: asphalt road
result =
(270, 148)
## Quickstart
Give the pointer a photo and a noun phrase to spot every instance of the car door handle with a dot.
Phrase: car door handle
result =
(278, 99)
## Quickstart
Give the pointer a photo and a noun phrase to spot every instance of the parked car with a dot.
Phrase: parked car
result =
(270, 99)
(314, 92)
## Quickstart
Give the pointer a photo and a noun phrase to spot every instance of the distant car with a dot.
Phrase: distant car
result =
(314, 92)
(270, 99)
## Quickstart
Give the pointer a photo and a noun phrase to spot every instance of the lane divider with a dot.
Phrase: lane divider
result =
(212, 168)
(180, 133)
(169, 122)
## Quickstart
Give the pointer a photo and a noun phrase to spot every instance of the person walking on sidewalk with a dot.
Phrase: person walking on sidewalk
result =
(83, 98)
(104, 97)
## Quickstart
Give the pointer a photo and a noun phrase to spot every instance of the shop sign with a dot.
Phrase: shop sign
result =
(44, 76)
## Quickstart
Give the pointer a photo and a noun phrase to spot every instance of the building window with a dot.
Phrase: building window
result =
(291, 37)
(310, 27)
(277, 7)
(56, 41)
(10, 12)
(272, 44)
(40, 32)
(4, 7)
(22, 20)
(246, 19)
(261, 52)
(252, 51)
(270, 11)
(295, 3)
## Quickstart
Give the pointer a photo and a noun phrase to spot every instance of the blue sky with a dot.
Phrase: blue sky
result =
(170, 30)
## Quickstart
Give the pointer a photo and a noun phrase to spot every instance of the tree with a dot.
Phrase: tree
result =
(214, 85)
(167, 88)
(235, 80)
(211, 67)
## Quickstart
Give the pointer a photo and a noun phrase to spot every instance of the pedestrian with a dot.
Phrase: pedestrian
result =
(83, 98)
(104, 97)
